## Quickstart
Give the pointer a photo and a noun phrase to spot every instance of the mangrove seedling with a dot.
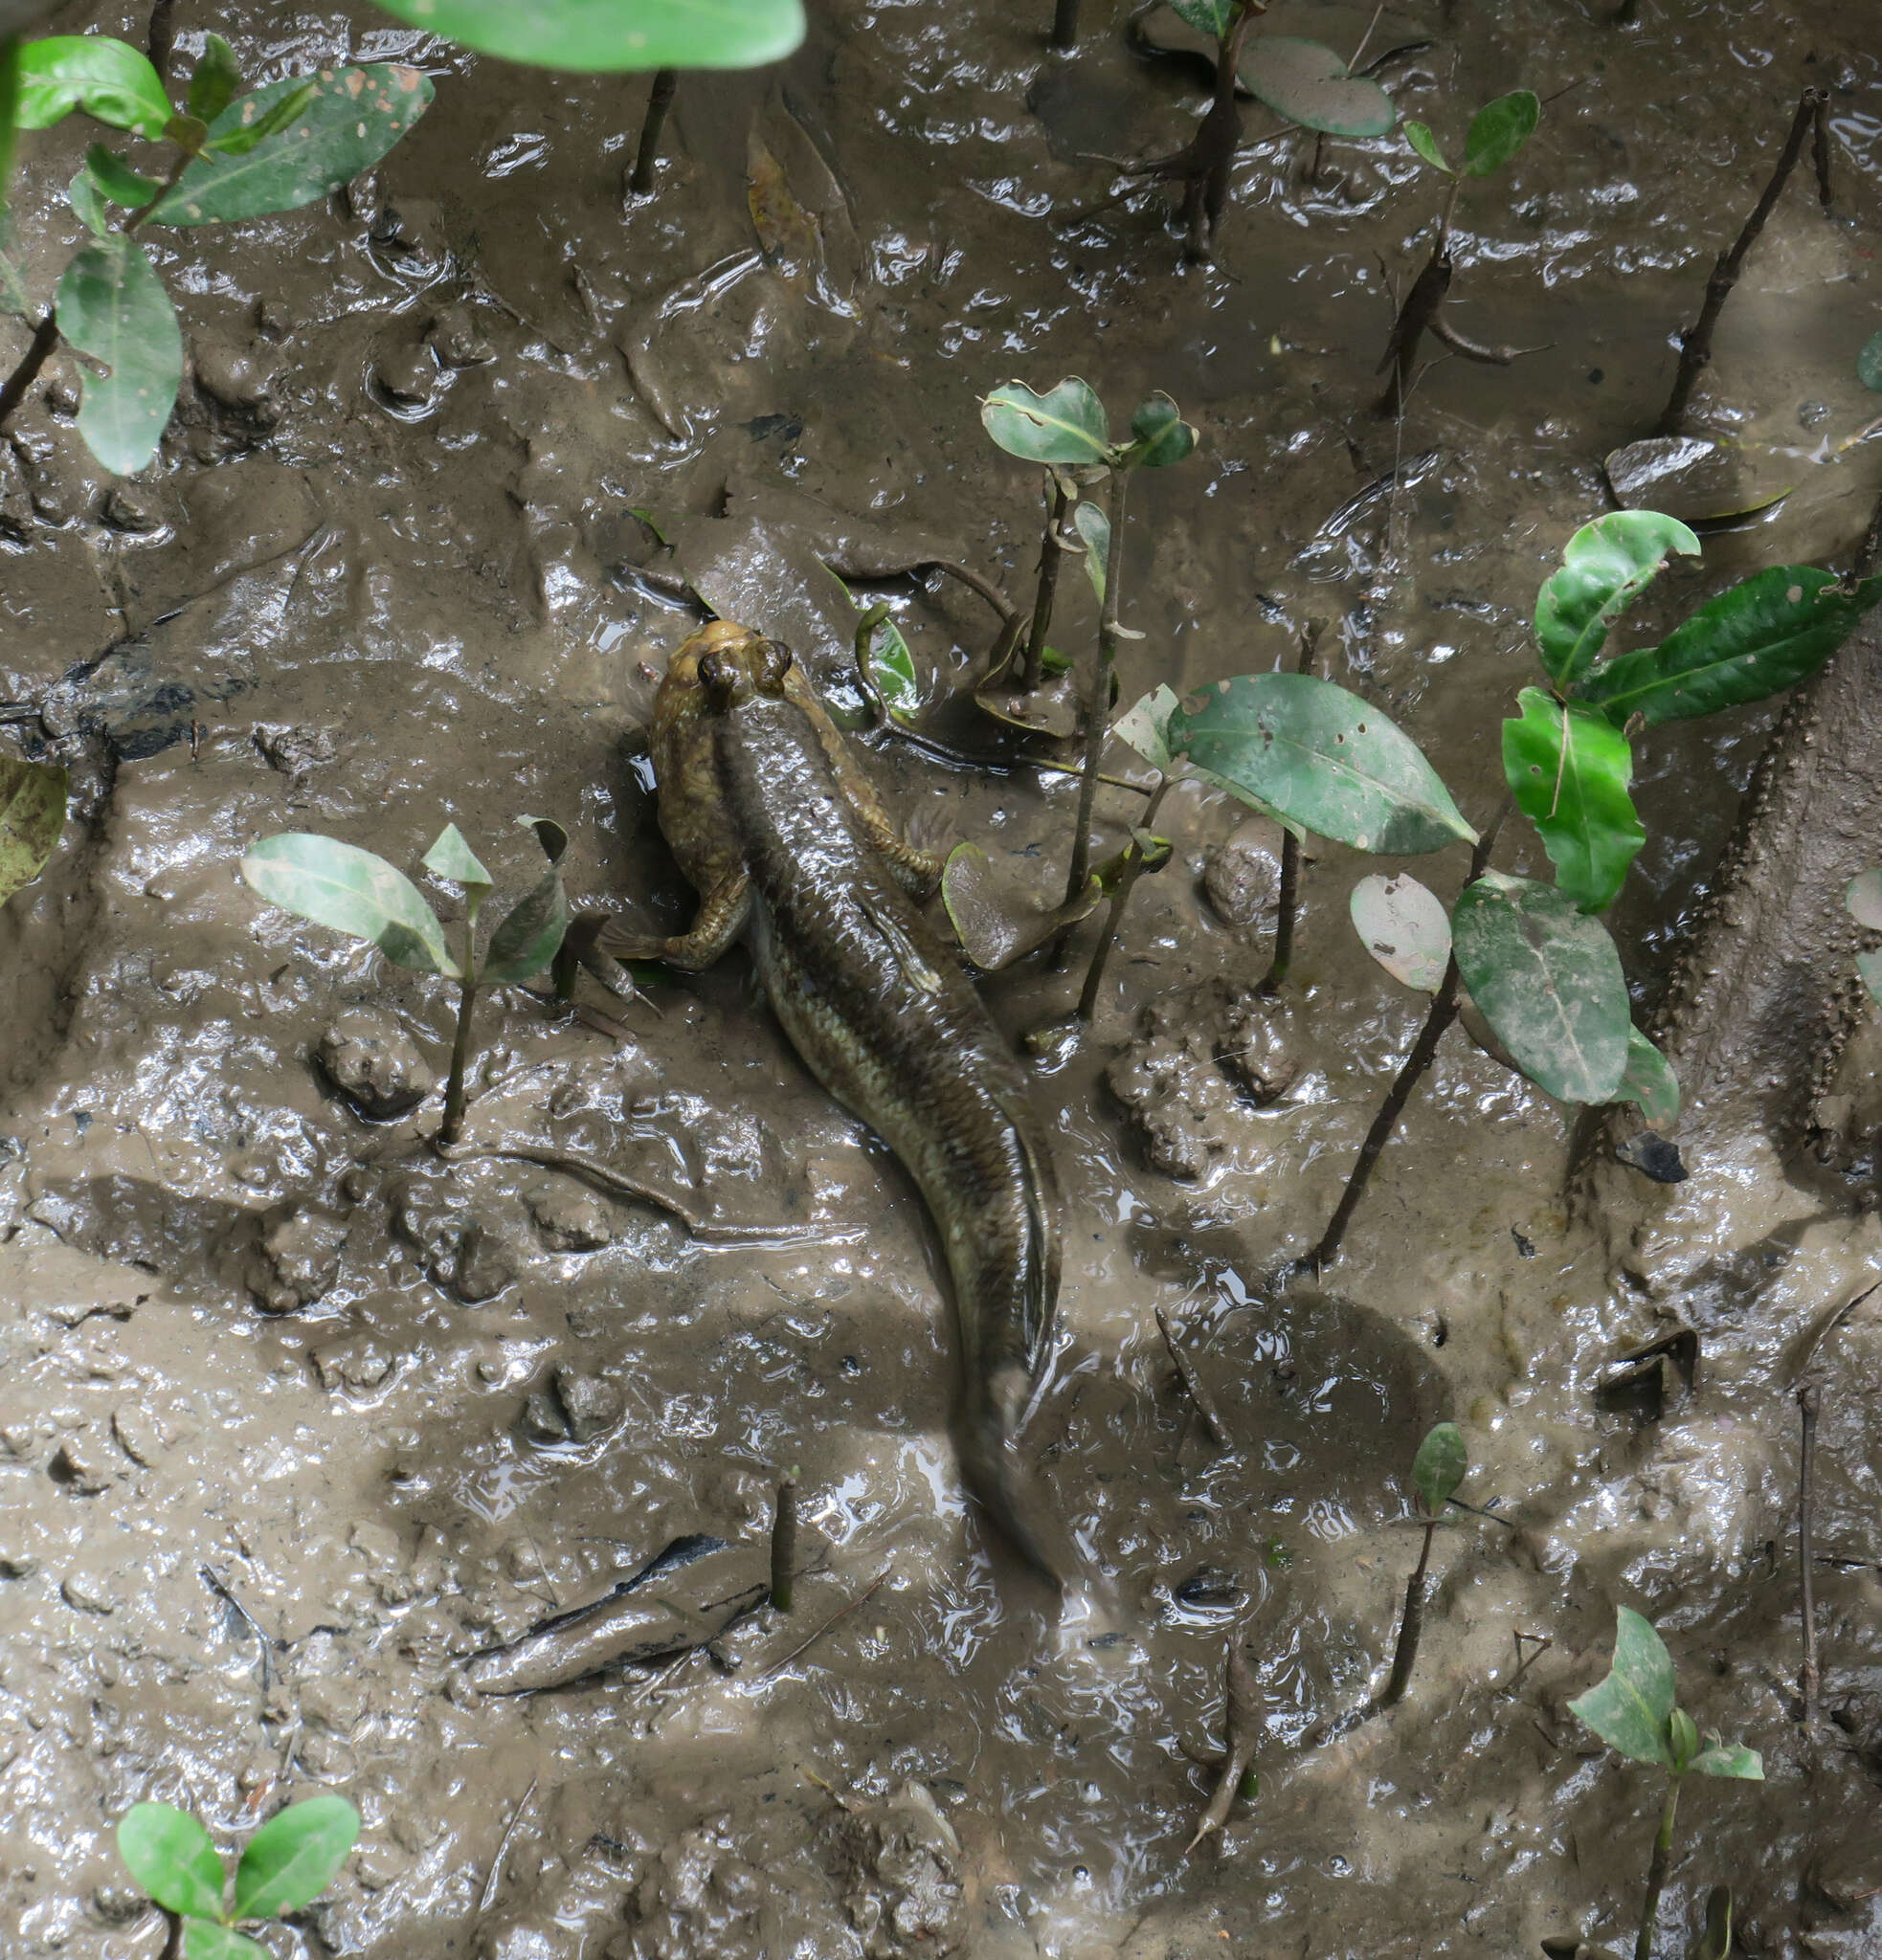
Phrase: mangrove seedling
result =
(1497, 132)
(1633, 1710)
(230, 156)
(284, 1867)
(1068, 429)
(356, 892)
(1695, 344)
(32, 816)
(1437, 1470)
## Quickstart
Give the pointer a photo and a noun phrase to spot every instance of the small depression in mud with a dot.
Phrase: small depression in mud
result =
(296, 1418)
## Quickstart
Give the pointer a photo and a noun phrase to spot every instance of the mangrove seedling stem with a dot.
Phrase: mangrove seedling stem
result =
(658, 102)
(1811, 1682)
(161, 41)
(784, 1543)
(40, 350)
(1050, 551)
(1097, 713)
(1128, 875)
(1657, 1868)
(454, 1088)
(1064, 26)
(1695, 344)
(1404, 1656)
(1443, 1013)
(1287, 898)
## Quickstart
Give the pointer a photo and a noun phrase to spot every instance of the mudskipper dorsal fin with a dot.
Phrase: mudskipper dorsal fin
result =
(909, 956)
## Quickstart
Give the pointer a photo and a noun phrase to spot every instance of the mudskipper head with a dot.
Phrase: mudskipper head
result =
(730, 664)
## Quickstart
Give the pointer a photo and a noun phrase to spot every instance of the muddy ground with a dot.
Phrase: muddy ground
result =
(260, 1351)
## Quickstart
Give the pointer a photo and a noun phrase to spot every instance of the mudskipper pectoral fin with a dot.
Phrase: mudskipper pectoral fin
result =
(909, 957)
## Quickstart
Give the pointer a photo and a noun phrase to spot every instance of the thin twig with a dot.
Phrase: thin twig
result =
(803, 1646)
(1050, 551)
(1820, 149)
(1810, 1680)
(784, 1543)
(1404, 1656)
(1186, 1372)
(1241, 1719)
(487, 1898)
(1695, 344)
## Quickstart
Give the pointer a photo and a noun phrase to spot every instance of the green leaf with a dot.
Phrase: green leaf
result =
(113, 306)
(32, 816)
(1322, 758)
(170, 1855)
(1145, 727)
(1419, 136)
(216, 81)
(1405, 927)
(1093, 527)
(1869, 965)
(1605, 567)
(1629, 1708)
(1648, 1079)
(116, 180)
(204, 1940)
(530, 935)
(1498, 130)
(891, 669)
(1682, 1740)
(1757, 639)
(1716, 1942)
(1066, 425)
(82, 195)
(452, 857)
(352, 891)
(1869, 364)
(245, 136)
(1863, 896)
(1439, 1467)
(1728, 1760)
(1568, 768)
(344, 122)
(998, 923)
(288, 1862)
(1162, 436)
(1548, 980)
(108, 79)
(1311, 85)
(1206, 16)
(605, 35)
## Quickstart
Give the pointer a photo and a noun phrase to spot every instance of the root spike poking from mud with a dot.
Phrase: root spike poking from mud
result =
(1186, 1373)
(784, 1543)
(1810, 1682)
(1242, 1720)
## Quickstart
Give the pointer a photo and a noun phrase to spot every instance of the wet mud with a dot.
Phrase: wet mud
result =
(297, 1419)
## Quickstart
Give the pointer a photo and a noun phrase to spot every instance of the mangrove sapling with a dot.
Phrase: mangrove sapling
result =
(32, 815)
(1437, 1470)
(230, 157)
(284, 1868)
(355, 892)
(1633, 1710)
(1068, 428)
(1497, 132)
(1695, 344)
(1287, 895)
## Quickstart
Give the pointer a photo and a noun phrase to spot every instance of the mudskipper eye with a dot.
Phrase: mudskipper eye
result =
(777, 656)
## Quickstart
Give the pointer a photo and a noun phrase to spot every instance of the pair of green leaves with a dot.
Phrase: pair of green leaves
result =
(32, 816)
(1303, 80)
(285, 1866)
(604, 35)
(1633, 1710)
(1440, 1467)
(1068, 428)
(358, 893)
(1497, 131)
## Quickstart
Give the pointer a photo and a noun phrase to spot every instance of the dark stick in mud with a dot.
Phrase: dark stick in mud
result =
(161, 41)
(1192, 1383)
(1810, 1680)
(1443, 1013)
(1695, 344)
(1097, 710)
(40, 350)
(1050, 551)
(1128, 875)
(1287, 898)
(784, 1543)
(803, 1646)
(1064, 26)
(1242, 1721)
(1657, 1868)
(454, 1088)
(658, 101)
(1820, 150)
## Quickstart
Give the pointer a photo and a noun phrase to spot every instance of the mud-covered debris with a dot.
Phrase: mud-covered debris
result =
(485, 1262)
(698, 1900)
(138, 1434)
(16, 1561)
(294, 750)
(1242, 876)
(238, 381)
(905, 1894)
(1656, 1155)
(571, 1407)
(405, 378)
(356, 1365)
(133, 509)
(85, 1465)
(571, 1218)
(298, 1257)
(455, 340)
(375, 1065)
(89, 1591)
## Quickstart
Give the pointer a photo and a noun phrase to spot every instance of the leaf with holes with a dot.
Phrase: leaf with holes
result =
(1568, 768)
(289, 1862)
(1311, 85)
(32, 816)
(342, 123)
(1405, 927)
(1064, 425)
(1548, 980)
(1498, 130)
(1439, 1467)
(1145, 727)
(112, 307)
(108, 79)
(1606, 567)
(351, 891)
(594, 37)
(1630, 1706)
(1649, 1080)
(1758, 639)
(1318, 756)
(169, 1853)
